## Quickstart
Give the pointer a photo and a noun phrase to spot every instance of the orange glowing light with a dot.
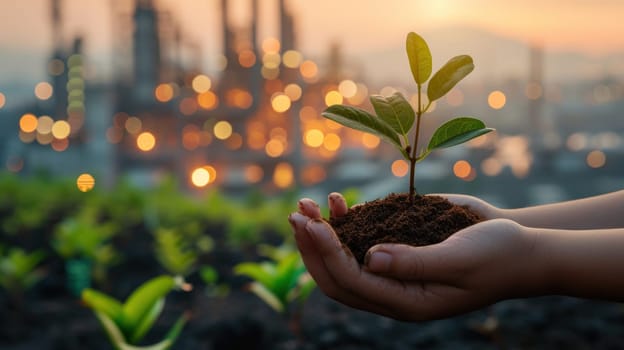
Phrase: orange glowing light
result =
(308, 70)
(163, 92)
(596, 159)
(333, 98)
(190, 140)
(281, 103)
(222, 130)
(497, 99)
(292, 58)
(28, 123)
(27, 137)
(2, 100)
(271, 60)
(60, 145)
(43, 90)
(332, 142)
(146, 141)
(274, 148)
(347, 88)
(283, 176)
(308, 113)
(201, 83)
(44, 139)
(271, 45)
(400, 168)
(85, 182)
(207, 100)
(61, 129)
(462, 169)
(239, 98)
(200, 177)
(370, 141)
(314, 138)
(247, 58)
(254, 173)
(293, 91)
(270, 73)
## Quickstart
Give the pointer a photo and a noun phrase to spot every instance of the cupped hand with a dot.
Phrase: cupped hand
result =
(477, 266)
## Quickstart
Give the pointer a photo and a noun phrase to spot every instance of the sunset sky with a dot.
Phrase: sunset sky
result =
(590, 27)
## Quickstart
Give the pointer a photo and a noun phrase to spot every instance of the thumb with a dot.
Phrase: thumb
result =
(436, 262)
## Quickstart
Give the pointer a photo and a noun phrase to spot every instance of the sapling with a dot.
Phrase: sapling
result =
(395, 117)
(127, 323)
(280, 282)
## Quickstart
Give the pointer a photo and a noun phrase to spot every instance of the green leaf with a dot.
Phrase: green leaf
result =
(103, 303)
(267, 296)
(395, 111)
(359, 119)
(142, 300)
(457, 131)
(263, 273)
(146, 323)
(448, 76)
(119, 342)
(419, 57)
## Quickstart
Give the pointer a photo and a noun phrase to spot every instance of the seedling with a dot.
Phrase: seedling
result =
(18, 271)
(280, 282)
(126, 324)
(395, 116)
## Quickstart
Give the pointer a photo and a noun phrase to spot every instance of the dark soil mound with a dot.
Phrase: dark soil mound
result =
(394, 219)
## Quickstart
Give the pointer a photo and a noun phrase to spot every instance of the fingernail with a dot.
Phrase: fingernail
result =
(378, 261)
(291, 220)
(317, 230)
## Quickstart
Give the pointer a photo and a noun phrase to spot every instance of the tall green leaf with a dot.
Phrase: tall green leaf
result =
(457, 131)
(448, 76)
(419, 57)
(395, 111)
(360, 119)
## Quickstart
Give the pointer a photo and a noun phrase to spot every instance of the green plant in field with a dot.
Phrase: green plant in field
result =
(395, 116)
(85, 246)
(282, 282)
(18, 270)
(126, 324)
(174, 253)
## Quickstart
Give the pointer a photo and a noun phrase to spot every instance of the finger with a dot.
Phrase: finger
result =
(350, 279)
(434, 263)
(309, 208)
(317, 269)
(337, 205)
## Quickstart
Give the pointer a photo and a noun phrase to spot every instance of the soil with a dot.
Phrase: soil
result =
(395, 219)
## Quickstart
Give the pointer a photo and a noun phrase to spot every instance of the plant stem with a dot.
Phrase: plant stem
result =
(412, 187)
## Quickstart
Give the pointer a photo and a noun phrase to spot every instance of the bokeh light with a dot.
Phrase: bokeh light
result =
(254, 173)
(28, 123)
(222, 130)
(207, 100)
(314, 138)
(133, 125)
(163, 92)
(146, 141)
(61, 129)
(280, 103)
(85, 182)
(2, 100)
(270, 45)
(370, 141)
(43, 90)
(283, 176)
(333, 98)
(347, 88)
(308, 70)
(497, 99)
(292, 58)
(200, 177)
(462, 169)
(201, 83)
(274, 148)
(399, 168)
(44, 124)
(247, 58)
(596, 159)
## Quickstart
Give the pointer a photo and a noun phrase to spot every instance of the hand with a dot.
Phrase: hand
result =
(485, 209)
(475, 267)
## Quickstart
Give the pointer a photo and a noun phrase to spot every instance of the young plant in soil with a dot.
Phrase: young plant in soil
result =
(282, 283)
(409, 217)
(127, 324)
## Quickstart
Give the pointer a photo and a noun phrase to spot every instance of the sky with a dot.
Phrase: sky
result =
(588, 27)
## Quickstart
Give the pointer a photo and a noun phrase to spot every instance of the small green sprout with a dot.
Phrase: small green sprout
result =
(126, 324)
(280, 282)
(18, 271)
(395, 116)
